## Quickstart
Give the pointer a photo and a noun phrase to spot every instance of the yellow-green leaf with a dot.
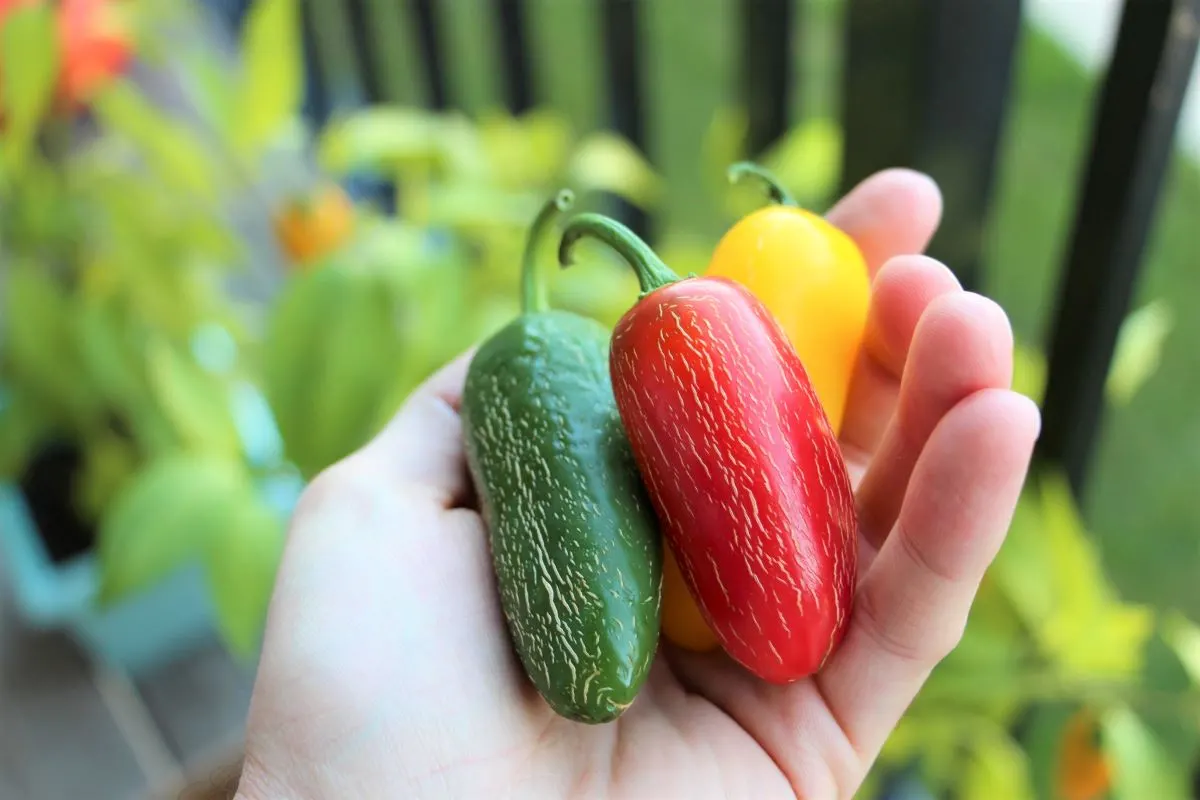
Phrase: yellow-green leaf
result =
(242, 562)
(724, 143)
(808, 159)
(1142, 768)
(1051, 573)
(197, 403)
(527, 151)
(381, 138)
(1029, 372)
(1183, 636)
(273, 85)
(107, 356)
(109, 461)
(608, 162)
(28, 70)
(996, 767)
(165, 516)
(169, 147)
(1138, 351)
(38, 344)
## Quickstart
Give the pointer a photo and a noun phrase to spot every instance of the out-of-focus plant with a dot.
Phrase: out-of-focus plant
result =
(1049, 694)
(119, 336)
(356, 330)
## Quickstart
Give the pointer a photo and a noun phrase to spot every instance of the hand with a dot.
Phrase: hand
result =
(387, 671)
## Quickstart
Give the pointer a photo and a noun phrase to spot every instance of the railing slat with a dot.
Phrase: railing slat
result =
(317, 105)
(623, 66)
(394, 52)
(360, 22)
(1132, 141)
(926, 85)
(426, 23)
(514, 53)
(767, 27)
(335, 53)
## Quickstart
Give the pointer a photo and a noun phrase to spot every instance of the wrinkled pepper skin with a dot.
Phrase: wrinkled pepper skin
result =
(813, 279)
(743, 468)
(574, 541)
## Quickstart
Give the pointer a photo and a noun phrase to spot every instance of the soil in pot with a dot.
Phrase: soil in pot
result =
(49, 488)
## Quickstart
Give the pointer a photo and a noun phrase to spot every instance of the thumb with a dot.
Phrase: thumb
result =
(422, 445)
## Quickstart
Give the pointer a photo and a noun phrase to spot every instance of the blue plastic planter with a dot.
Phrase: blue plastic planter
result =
(144, 631)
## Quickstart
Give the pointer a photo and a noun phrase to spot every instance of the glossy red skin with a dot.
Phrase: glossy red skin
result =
(744, 471)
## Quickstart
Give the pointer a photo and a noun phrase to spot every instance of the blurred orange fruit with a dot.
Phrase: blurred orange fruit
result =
(311, 227)
(1083, 769)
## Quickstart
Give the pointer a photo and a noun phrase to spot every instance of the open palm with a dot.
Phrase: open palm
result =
(387, 671)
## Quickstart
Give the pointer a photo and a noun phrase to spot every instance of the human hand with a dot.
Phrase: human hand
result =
(387, 669)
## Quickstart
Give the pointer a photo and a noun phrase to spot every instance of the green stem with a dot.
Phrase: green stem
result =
(775, 190)
(652, 273)
(533, 292)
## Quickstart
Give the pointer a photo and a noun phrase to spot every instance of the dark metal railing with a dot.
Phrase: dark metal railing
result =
(1132, 139)
(926, 84)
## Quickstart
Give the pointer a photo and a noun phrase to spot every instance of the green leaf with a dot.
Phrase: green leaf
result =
(808, 159)
(23, 423)
(272, 88)
(997, 767)
(381, 138)
(724, 143)
(215, 86)
(610, 163)
(1051, 573)
(1183, 636)
(1138, 351)
(108, 358)
(1029, 372)
(527, 151)
(242, 562)
(165, 516)
(170, 148)
(1142, 767)
(197, 403)
(38, 344)
(28, 71)
(109, 462)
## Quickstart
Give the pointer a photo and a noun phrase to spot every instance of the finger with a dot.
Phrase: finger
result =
(904, 288)
(422, 445)
(912, 606)
(893, 212)
(962, 344)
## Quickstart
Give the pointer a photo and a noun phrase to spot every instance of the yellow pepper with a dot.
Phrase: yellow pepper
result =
(813, 278)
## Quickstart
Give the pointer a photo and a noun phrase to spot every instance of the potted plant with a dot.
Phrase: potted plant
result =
(143, 490)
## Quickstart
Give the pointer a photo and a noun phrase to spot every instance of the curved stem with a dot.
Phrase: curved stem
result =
(775, 190)
(652, 273)
(533, 292)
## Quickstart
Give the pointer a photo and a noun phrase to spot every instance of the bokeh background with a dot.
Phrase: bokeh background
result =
(234, 234)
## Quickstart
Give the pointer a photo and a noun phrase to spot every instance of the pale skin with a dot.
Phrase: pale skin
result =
(387, 672)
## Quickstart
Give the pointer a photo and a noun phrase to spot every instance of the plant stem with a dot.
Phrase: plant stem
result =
(533, 291)
(775, 190)
(652, 273)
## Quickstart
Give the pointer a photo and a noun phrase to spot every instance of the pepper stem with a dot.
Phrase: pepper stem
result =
(533, 291)
(775, 190)
(651, 272)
